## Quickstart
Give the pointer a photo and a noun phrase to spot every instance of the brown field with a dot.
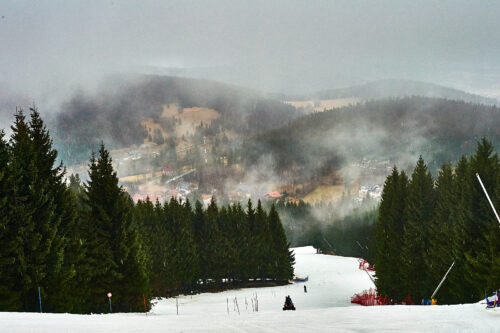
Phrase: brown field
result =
(190, 118)
(325, 193)
(324, 104)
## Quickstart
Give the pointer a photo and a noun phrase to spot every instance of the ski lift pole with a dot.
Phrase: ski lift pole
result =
(330, 245)
(440, 283)
(487, 196)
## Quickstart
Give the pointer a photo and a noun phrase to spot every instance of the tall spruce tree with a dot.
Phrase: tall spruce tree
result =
(281, 257)
(9, 245)
(459, 278)
(441, 233)
(481, 219)
(33, 202)
(389, 236)
(262, 240)
(420, 210)
(113, 248)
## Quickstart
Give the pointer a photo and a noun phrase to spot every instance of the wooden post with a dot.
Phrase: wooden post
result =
(145, 307)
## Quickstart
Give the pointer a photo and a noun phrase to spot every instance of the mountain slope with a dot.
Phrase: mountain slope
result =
(114, 114)
(398, 130)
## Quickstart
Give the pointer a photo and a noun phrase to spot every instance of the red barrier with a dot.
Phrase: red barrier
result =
(369, 297)
(365, 266)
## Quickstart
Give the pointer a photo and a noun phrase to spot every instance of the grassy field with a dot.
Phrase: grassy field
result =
(325, 193)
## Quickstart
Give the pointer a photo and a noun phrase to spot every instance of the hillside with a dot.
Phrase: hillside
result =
(373, 136)
(117, 111)
(394, 88)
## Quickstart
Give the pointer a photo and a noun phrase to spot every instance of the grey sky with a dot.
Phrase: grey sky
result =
(287, 46)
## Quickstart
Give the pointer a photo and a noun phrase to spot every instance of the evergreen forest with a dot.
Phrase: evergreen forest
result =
(425, 224)
(65, 244)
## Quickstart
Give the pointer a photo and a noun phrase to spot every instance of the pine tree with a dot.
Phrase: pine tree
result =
(389, 236)
(199, 232)
(250, 250)
(261, 241)
(59, 286)
(113, 247)
(282, 258)
(9, 245)
(33, 202)
(440, 233)
(420, 209)
(479, 258)
(459, 278)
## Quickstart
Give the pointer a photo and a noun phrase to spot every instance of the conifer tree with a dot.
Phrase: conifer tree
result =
(250, 250)
(199, 232)
(441, 233)
(33, 202)
(479, 258)
(420, 210)
(389, 236)
(262, 241)
(113, 248)
(282, 258)
(9, 245)
(459, 278)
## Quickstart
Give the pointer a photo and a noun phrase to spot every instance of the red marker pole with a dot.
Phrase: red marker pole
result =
(109, 297)
(145, 307)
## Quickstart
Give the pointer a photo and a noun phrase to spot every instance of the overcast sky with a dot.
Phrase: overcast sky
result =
(280, 46)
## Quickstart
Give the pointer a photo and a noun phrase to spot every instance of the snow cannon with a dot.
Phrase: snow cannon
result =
(431, 301)
(493, 301)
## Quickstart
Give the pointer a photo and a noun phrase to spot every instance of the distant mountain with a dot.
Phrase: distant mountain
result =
(395, 88)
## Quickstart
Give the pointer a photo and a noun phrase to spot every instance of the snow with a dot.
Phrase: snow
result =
(325, 307)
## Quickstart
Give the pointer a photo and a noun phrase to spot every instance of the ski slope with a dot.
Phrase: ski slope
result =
(325, 307)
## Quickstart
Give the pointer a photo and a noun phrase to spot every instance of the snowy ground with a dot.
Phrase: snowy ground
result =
(325, 307)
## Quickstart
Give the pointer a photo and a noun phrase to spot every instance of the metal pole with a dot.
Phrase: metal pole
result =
(110, 308)
(40, 299)
(177, 305)
(371, 278)
(440, 283)
(487, 196)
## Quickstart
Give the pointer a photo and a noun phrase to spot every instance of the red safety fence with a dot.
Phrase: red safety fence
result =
(365, 266)
(369, 297)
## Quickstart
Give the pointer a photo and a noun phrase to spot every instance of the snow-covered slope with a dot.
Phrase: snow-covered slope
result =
(325, 307)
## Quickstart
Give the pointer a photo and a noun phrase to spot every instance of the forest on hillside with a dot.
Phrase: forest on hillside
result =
(115, 112)
(397, 130)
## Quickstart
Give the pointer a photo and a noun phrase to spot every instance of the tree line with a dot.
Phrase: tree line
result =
(346, 227)
(71, 243)
(426, 224)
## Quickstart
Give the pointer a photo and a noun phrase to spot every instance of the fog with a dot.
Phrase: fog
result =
(51, 47)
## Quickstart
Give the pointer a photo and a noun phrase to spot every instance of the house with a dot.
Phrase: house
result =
(167, 170)
(273, 195)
